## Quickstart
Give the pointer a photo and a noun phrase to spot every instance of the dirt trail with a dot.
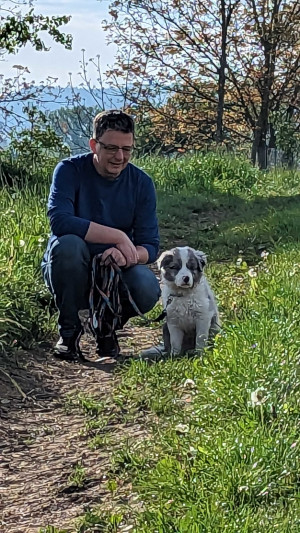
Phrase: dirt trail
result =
(41, 440)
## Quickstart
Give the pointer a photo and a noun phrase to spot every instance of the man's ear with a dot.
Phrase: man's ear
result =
(93, 144)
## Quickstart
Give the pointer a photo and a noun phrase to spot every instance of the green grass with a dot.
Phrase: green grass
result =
(214, 459)
(77, 477)
(199, 203)
(216, 462)
(24, 310)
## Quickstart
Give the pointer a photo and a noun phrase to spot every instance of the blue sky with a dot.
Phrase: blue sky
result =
(85, 27)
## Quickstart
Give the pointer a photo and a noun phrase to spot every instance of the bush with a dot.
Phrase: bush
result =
(32, 153)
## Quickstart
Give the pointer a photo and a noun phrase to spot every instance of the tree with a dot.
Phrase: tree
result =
(172, 47)
(16, 30)
(74, 125)
(286, 130)
(265, 65)
(31, 151)
(237, 61)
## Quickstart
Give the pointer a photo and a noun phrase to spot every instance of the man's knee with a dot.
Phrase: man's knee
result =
(70, 250)
(144, 287)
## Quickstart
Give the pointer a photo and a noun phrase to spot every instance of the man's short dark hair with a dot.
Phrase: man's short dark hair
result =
(112, 120)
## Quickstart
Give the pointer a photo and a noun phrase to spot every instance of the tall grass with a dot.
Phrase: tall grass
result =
(24, 232)
(206, 180)
(201, 172)
(221, 451)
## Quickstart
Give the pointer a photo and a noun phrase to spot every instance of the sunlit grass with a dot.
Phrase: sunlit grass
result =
(24, 232)
(221, 451)
(221, 458)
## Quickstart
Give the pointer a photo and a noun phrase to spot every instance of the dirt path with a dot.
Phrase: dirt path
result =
(42, 440)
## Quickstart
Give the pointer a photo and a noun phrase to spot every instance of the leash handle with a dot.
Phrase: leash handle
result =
(112, 263)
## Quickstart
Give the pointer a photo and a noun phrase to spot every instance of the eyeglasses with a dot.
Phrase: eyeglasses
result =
(113, 149)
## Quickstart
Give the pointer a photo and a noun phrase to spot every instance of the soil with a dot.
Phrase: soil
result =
(41, 440)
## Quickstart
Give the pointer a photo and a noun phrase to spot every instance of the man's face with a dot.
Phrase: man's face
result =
(112, 152)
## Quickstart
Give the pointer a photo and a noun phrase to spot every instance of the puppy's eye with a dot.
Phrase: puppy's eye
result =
(173, 267)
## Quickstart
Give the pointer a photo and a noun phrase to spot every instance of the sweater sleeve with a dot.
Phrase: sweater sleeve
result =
(61, 202)
(145, 227)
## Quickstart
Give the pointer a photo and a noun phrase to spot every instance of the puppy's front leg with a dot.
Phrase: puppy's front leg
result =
(176, 338)
(202, 330)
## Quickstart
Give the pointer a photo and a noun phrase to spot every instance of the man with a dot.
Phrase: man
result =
(100, 203)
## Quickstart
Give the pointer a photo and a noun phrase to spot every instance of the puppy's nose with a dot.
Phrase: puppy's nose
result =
(185, 279)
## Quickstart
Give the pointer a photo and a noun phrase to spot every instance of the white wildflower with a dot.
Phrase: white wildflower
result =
(243, 488)
(182, 428)
(252, 273)
(264, 254)
(189, 383)
(22, 243)
(193, 451)
(41, 239)
(258, 397)
(239, 261)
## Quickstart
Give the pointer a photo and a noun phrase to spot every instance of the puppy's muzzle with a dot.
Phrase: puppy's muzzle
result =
(185, 282)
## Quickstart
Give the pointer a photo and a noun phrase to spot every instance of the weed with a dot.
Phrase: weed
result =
(103, 522)
(77, 477)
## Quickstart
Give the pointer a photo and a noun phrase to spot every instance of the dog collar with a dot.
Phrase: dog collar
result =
(172, 296)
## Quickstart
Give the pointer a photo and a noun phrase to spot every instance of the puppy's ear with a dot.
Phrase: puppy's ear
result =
(201, 258)
(159, 261)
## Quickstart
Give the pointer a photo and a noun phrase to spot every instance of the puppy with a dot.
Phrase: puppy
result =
(192, 313)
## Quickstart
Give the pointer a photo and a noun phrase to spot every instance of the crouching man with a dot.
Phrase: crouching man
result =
(99, 202)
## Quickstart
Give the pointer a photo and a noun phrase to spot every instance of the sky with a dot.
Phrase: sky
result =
(84, 26)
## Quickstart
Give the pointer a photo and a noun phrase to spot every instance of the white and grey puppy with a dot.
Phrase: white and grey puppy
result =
(192, 313)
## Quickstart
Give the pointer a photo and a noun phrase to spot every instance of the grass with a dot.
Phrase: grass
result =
(77, 477)
(24, 303)
(217, 460)
(221, 451)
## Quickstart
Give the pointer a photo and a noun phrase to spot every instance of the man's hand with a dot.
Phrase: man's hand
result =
(99, 234)
(115, 254)
(128, 250)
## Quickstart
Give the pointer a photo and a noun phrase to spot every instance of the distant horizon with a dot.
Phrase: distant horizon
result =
(111, 98)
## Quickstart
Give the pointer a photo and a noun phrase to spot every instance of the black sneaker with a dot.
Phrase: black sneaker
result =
(68, 347)
(108, 346)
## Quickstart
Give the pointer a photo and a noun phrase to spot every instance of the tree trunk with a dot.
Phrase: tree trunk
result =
(221, 95)
(254, 148)
(259, 145)
(262, 155)
(269, 43)
(289, 152)
(226, 18)
(272, 142)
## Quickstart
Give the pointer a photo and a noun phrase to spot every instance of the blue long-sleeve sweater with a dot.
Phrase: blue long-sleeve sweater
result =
(79, 195)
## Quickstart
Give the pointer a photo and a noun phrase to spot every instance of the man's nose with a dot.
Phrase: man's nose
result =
(119, 154)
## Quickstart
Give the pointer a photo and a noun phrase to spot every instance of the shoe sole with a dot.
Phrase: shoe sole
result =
(67, 356)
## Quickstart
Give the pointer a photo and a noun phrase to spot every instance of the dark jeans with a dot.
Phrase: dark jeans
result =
(67, 275)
